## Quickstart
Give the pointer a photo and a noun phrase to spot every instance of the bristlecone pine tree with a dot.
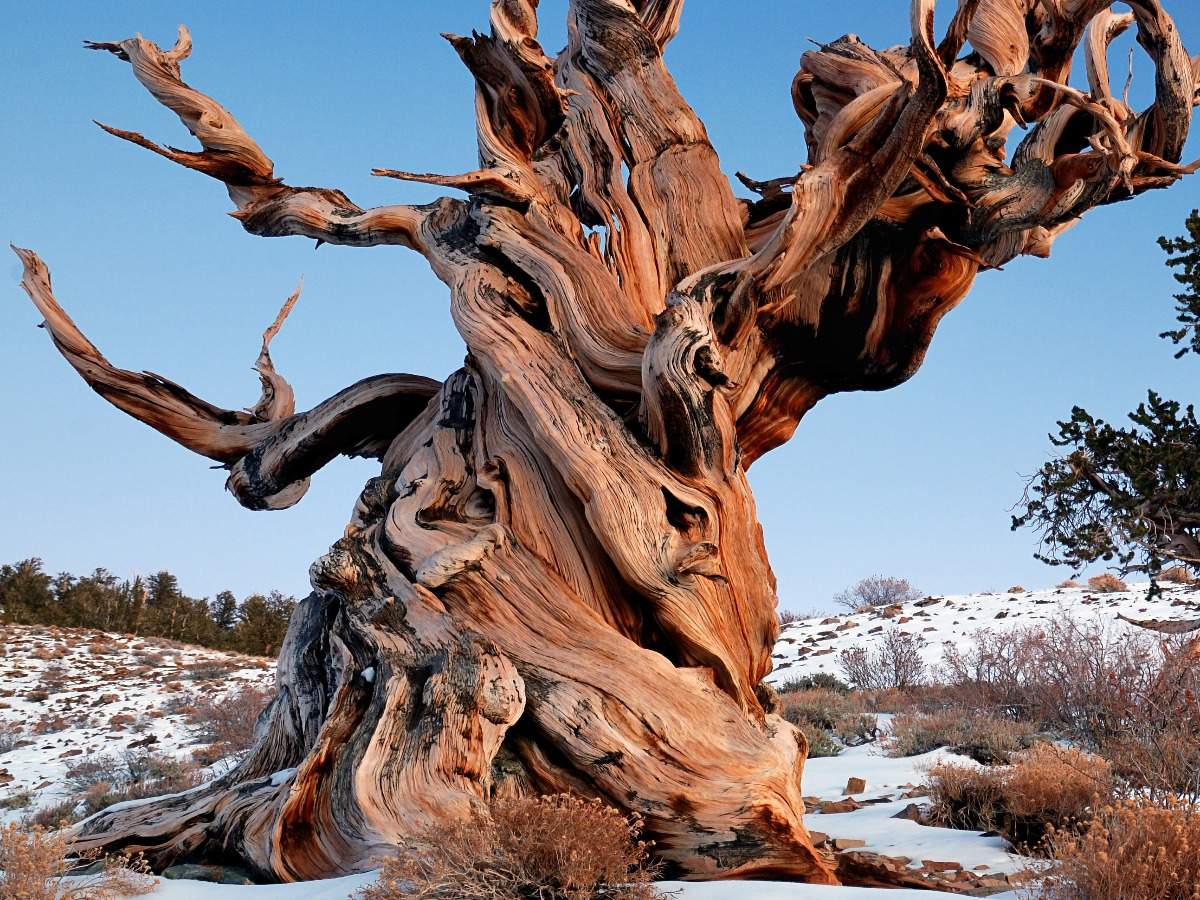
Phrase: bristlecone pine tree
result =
(1129, 495)
(557, 582)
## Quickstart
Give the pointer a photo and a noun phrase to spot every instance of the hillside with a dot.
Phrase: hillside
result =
(71, 695)
(812, 645)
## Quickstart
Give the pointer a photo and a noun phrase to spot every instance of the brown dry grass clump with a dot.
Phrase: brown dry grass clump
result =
(985, 738)
(226, 722)
(1107, 584)
(1047, 788)
(1176, 575)
(1133, 850)
(32, 862)
(549, 848)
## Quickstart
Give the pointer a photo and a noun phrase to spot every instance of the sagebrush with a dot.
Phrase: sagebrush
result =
(545, 848)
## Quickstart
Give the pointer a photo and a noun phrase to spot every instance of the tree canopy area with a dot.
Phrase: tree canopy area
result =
(1129, 495)
(148, 607)
(558, 581)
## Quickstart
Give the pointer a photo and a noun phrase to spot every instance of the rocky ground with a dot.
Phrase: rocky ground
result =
(69, 695)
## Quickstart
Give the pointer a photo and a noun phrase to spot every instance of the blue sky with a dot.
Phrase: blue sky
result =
(918, 481)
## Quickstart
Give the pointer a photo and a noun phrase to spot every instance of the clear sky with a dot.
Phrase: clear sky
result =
(918, 481)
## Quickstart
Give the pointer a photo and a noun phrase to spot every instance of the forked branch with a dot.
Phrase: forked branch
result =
(265, 205)
(270, 451)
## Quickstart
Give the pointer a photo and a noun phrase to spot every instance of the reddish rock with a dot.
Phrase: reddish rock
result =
(840, 806)
(933, 865)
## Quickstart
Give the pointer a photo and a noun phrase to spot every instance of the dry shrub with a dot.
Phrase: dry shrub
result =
(17, 800)
(986, 739)
(820, 707)
(820, 742)
(53, 679)
(1070, 583)
(1176, 575)
(209, 670)
(51, 723)
(11, 735)
(787, 617)
(1016, 589)
(102, 780)
(32, 862)
(821, 713)
(894, 661)
(56, 815)
(1130, 696)
(1045, 787)
(549, 848)
(856, 729)
(227, 722)
(1107, 584)
(814, 680)
(1135, 850)
(877, 591)
(1156, 744)
(90, 770)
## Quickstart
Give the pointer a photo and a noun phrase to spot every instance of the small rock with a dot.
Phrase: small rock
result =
(933, 865)
(848, 843)
(839, 806)
(912, 812)
(854, 786)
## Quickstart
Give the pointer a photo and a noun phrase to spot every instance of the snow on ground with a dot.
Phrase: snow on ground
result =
(887, 781)
(344, 888)
(72, 693)
(68, 694)
(812, 645)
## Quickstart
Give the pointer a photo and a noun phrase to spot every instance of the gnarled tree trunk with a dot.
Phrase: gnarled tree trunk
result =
(557, 581)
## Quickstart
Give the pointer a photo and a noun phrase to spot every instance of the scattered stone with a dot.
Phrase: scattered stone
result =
(933, 865)
(854, 786)
(912, 812)
(848, 843)
(839, 806)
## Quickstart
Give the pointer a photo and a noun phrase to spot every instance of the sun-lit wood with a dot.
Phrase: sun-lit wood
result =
(558, 580)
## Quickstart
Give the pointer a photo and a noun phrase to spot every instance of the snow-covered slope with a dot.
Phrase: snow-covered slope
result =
(812, 645)
(69, 694)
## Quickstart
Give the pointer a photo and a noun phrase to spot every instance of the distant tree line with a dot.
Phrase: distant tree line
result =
(149, 607)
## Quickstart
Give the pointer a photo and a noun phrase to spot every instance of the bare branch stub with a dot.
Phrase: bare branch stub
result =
(558, 579)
